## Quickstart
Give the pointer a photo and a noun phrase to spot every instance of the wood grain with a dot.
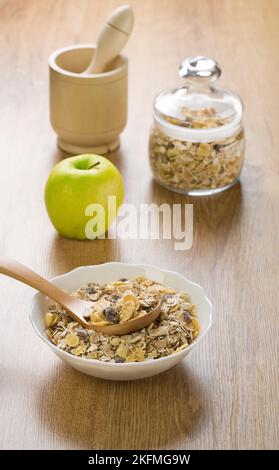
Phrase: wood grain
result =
(226, 394)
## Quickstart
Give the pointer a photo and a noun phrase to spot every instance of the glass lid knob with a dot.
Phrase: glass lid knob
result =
(200, 70)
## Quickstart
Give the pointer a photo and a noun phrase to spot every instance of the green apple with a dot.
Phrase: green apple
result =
(75, 186)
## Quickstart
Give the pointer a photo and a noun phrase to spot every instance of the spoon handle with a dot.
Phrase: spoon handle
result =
(21, 273)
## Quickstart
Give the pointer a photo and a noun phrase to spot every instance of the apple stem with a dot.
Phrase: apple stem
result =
(92, 166)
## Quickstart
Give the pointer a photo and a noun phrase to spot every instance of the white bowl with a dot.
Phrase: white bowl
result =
(108, 272)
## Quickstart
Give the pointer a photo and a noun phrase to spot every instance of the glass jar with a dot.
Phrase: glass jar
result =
(197, 140)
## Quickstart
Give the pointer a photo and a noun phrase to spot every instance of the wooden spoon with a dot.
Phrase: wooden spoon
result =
(76, 308)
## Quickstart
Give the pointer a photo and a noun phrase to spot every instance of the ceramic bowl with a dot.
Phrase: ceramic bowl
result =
(108, 272)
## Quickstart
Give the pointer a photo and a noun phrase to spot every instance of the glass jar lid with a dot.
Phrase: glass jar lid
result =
(199, 110)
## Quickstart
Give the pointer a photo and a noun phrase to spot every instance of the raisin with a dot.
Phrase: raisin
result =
(187, 316)
(91, 290)
(168, 296)
(123, 279)
(111, 315)
(82, 333)
(118, 360)
(116, 297)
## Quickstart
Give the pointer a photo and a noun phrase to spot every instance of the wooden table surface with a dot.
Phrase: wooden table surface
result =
(226, 394)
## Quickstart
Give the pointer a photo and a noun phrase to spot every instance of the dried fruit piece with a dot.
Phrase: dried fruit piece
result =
(111, 315)
(91, 290)
(119, 360)
(82, 333)
(187, 317)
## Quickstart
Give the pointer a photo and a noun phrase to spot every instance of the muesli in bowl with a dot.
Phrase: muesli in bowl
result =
(118, 302)
(104, 274)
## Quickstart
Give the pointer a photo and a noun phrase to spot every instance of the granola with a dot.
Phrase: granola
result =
(204, 118)
(188, 166)
(116, 302)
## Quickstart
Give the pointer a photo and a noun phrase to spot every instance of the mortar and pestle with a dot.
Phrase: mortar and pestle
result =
(89, 89)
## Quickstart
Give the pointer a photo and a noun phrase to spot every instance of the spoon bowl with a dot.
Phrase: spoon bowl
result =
(77, 309)
(130, 326)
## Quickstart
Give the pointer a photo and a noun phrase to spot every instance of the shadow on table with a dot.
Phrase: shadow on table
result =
(91, 413)
(115, 157)
(215, 211)
(67, 254)
(57, 156)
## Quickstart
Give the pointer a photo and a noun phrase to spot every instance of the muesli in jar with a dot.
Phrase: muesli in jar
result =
(197, 138)
(190, 166)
